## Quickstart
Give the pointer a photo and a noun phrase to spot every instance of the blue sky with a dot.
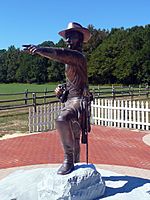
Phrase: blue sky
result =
(35, 21)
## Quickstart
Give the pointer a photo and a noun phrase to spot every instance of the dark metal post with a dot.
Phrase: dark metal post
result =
(139, 90)
(113, 92)
(147, 90)
(26, 97)
(87, 151)
(45, 95)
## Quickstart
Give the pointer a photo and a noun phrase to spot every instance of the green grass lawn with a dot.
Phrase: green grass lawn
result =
(18, 87)
(12, 121)
(14, 88)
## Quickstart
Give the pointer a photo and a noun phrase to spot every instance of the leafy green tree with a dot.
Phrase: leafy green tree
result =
(56, 71)
(47, 44)
(25, 72)
(97, 37)
(12, 63)
(3, 68)
(122, 57)
(40, 69)
(61, 43)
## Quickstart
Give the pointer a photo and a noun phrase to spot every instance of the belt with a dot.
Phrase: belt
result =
(73, 98)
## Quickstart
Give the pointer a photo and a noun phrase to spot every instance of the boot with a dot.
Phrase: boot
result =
(67, 165)
(67, 140)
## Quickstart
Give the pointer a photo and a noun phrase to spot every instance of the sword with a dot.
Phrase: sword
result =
(86, 128)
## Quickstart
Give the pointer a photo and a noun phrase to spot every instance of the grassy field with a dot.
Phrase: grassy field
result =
(18, 87)
(18, 91)
(16, 121)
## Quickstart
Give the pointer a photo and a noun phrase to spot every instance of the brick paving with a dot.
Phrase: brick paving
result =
(111, 146)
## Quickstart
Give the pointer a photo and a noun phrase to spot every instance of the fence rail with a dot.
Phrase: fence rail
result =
(28, 99)
(105, 112)
(121, 91)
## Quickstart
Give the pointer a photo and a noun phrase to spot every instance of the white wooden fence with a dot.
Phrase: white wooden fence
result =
(121, 113)
(104, 112)
(43, 117)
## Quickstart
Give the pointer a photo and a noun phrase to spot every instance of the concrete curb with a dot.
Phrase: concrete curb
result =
(146, 139)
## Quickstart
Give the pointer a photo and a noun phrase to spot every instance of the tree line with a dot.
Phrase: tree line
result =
(117, 56)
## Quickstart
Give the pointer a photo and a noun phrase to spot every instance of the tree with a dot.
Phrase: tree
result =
(12, 63)
(97, 37)
(3, 68)
(56, 71)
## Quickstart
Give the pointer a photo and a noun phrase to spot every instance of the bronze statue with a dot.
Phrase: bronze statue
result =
(69, 121)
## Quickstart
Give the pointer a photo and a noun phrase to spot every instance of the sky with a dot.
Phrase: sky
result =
(36, 21)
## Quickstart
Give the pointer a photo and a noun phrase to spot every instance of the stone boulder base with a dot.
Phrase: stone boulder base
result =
(84, 183)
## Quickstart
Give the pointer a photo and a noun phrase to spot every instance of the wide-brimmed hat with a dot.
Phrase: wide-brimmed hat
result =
(77, 27)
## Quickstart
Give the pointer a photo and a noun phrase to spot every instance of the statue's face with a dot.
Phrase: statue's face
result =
(73, 38)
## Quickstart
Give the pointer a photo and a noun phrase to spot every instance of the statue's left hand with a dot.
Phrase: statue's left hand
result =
(32, 49)
(58, 91)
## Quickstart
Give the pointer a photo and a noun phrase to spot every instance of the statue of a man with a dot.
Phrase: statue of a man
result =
(68, 122)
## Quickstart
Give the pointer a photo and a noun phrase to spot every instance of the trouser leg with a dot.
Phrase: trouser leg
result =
(67, 139)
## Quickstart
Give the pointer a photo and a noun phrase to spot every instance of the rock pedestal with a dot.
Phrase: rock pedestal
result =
(84, 183)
